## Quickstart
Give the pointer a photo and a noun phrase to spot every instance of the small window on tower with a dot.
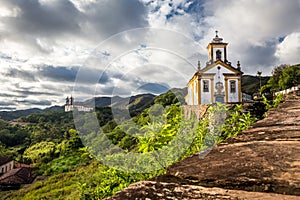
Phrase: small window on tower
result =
(232, 87)
(218, 54)
(205, 86)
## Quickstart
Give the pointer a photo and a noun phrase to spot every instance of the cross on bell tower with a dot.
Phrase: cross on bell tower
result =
(217, 49)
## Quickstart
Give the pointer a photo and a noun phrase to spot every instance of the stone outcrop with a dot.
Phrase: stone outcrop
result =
(261, 163)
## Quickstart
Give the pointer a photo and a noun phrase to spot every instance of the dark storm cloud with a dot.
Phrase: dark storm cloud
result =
(62, 74)
(68, 74)
(3, 108)
(35, 93)
(115, 16)
(4, 56)
(61, 18)
(11, 95)
(35, 102)
(263, 55)
(17, 73)
(44, 19)
(3, 103)
(83, 89)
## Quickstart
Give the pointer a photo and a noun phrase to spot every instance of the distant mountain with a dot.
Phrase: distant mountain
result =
(137, 102)
(54, 108)
(11, 115)
(172, 96)
(250, 84)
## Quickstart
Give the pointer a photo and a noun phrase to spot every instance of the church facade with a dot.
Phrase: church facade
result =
(218, 81)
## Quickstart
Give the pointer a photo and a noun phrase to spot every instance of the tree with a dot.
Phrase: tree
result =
(40, 152)
(283, 77)
(290, 77)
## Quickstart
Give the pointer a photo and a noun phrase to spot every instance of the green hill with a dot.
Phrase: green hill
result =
(250, 84)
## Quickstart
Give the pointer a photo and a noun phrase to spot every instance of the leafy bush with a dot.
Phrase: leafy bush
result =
(237, 122)
(272, 103)
(40, 152)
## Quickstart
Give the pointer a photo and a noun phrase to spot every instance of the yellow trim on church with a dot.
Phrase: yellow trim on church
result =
(240, 90)
(230, 94)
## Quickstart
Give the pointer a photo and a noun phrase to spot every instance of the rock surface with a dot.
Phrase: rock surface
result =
(261, 163)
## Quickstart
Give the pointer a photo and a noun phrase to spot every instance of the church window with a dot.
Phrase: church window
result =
(205, 86)
(218, 54)
(232, 87)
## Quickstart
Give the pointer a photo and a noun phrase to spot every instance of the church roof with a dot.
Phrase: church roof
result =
(219, 62)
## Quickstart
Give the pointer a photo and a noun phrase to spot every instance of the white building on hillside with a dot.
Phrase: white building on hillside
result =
(71, 106)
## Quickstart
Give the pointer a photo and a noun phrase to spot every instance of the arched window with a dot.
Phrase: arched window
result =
(218, 54)
(232, 87)
(205, 86)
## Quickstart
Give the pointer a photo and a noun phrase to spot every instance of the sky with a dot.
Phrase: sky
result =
(51, 49)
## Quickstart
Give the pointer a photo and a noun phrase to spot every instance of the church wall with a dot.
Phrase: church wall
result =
(195, 92)
(192, 96)
(189, 100)
(216, 73)
(233, 97)
(206, 96)
(215, 70)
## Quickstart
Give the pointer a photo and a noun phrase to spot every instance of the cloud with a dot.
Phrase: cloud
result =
(113, 16)
(3, 103)
(42, 24)
(7, 108)
(69, 74)
(17, 73)
(251, 27)
(10, 95)
(288, 50)
(35, 93)
(45, 43)
(35, 102)
(47, 18)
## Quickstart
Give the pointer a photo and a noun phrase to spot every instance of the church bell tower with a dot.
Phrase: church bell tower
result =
(217, 50)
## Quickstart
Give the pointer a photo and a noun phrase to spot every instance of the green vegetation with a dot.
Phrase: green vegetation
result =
(160, 134)
(283, 77)
(237, 122)
(272, 103)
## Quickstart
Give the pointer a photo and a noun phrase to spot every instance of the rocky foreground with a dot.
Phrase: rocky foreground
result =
(261, 163)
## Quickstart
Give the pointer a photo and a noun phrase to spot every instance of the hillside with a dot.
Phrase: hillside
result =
(11, 115)
(260, 163)
(137, 102)
(250, 84)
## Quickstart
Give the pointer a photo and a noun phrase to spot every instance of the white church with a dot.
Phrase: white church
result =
(218, 81)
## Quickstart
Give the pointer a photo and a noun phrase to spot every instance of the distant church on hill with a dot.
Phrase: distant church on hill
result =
(71, 106)
(218, 81)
